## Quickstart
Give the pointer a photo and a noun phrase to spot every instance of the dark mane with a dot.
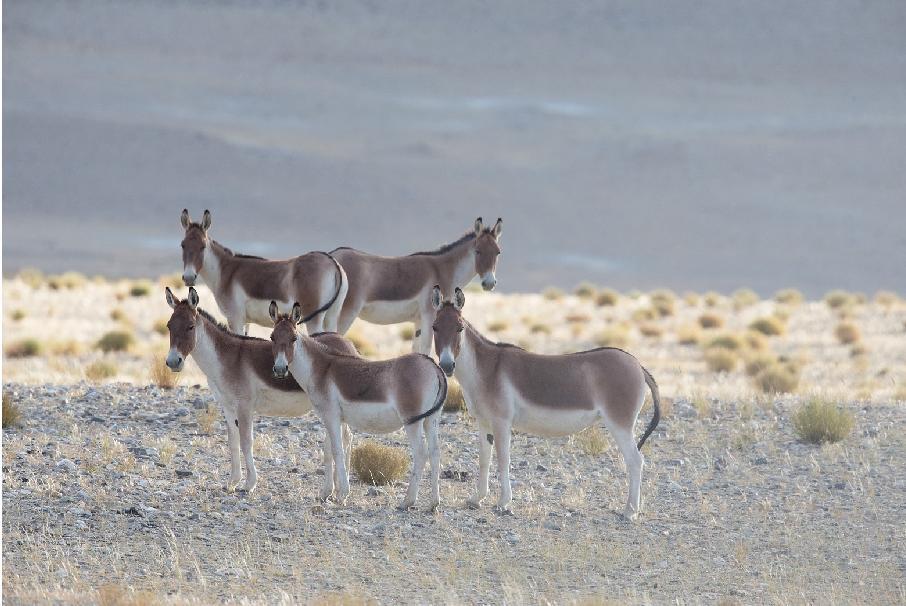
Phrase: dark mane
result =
(230, 252)
(486, 340)
(223, 328)
(470, 235)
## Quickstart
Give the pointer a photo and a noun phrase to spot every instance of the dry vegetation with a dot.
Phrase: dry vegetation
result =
(820, 421)
(379, 464)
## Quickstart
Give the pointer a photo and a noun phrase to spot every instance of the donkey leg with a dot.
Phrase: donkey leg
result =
(485, 445)
(502, 433)
(233, 443)
(634, 463)
(244, 422)
(416, 435)
(332, 425)
(327, 459)
(347, 447)
(431, 430)
(421, 343)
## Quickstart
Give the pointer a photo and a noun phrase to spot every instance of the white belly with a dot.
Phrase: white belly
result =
(257, 311)
(550, 422)
(389, 312)
(274, 403)
(380, 417)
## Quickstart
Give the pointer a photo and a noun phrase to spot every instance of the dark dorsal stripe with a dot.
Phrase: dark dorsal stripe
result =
(224, 329)
(448, 247)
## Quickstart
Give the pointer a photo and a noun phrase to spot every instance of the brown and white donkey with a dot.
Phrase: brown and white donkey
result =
(240, 374)
(244, 285)
(506, 387)
(389, 290)
(371, 396)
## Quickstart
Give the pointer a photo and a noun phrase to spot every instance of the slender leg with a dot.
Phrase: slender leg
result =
(347, 447)
(502, 433)
(431, 430)
(328, 485)
(245, 442)
(332, 424)
(348, 314)
(485, 445)
(634, 463)
(423, 335)
(416, 435)
(315, 325)
(233, 442)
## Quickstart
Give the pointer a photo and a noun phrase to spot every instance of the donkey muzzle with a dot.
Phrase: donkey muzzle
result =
(448, 367)
(280, 372)
(189, 279)
(488, 282)
(175, 361)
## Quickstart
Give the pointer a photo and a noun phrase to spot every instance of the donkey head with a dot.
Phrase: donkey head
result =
(448, 327)
(487, 249)
(182, 328)
(193, 244)
(283, 337)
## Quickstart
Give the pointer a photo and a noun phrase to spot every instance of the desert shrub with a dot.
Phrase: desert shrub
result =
(768, 325)
(32, 277)
(540, 328)
(744, 297)
(886, 298)
(860, 298)
(160, 327)
(17, 315)
(664, 302)
(858, 350)
(607, 297)
(378, 464)
(577, 318)
(26, 348)
(207, 418)
(592, 441)
(726, 341)
(782, 314)
(361, 343)
(140, 289)
(820, 421)
(614, 336)
(12, 414)
(161, 375)
(789, 296)
(456, 401)
(498, 325)
(115, 340)
(838, 298)
(586, 290)
(710, 320)
(117, 315)
(778, 378)
(755, 341)
(114, 595)
(649, 329)
(847, 333)
(68, 280)
(758, 361)
(100, 370)
(69, 347)
(688, 334)
(645, 314)
(407, 332)
(691, 298)
(720, 359)
(173, 280)
(712, 299)
(553, 293)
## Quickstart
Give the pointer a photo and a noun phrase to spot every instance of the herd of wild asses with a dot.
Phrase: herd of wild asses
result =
(318, 369)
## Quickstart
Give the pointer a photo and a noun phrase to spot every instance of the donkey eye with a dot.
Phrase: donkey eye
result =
(459, 329)
(192, 327)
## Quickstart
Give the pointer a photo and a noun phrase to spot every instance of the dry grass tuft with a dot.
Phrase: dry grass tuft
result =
(377, 464)
(710, 320)
(456, 401)
(778, 378)
(498, 325)
(207, 418)
(142, 288)
(34, 278)
(712, 299)
(540, 328)
(649, 329)
(720, 359)
(692, 299)
(592, 441)
(161, 375)
(836, 299)
(586, 290)
(821, 421)
(552, 293)
(100, 370)
(615, 336)
(69, 280)
(755, 341)
(160, 327)
(70, 347)
(364, 346)
(789, 296)
(114, 595)
(17, 315)
(744, 297)
(116, 340)
(664, 302)
(688, 334)
(407, 332)
(607, 297)
(12, 414)
(886, 298)
(26, 348)
(645, 314)
(726, 341)
(758, 361)
(847, 333)
(769, 325)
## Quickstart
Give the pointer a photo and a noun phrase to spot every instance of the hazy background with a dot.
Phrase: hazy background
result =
(694, 145)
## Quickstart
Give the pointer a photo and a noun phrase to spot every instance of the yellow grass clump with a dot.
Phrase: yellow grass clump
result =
(836, 299)
(114, 595)
(789, 296)
(26, 348)
(607, 297)
(645, 314)
(663, 302)
(778, 378)
(377, 464)
(769, 325)
(688, 334)
(70, 347)
(99, 370)
(847, 333)
(407, 332)
(160, 327)
(553, 293)
(720, 359)
(615, 336)
(17, 315)
(12, 414)
(498, 325)
(116, 340)
(744, 297)
(142, 288)
(650, 329)
(161, 375)
(758, 361)
(691, 298)
(455, 401)
(886, 298)
(820, 421)
(68, 280)
(540, 328)
(34, 278)
(726, 341)
(585, 290)
(592, 441)
(364, 346)
(710, 320)
(712, 299)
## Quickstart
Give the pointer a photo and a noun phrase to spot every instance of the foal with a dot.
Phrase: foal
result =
(375, 397)
(506, 387)
(388, 290)
(244, 285)
(239, 372)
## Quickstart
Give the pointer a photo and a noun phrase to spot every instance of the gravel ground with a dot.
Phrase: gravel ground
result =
(117, 490)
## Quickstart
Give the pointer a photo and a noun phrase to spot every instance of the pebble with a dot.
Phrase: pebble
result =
(67, 465)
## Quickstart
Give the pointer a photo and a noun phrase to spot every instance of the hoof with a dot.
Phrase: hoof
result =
(630, 514)
(406, 506)
(503, 510)
(249, 488)
(434, 508)
(473, 503)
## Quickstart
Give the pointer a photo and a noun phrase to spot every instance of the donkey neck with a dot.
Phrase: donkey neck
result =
(473, 355)
(206, 347)
(459, 263)
(308, 356)
(216, 259)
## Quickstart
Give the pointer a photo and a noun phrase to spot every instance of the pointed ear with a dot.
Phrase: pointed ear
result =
(193, 297)
(459, 299)
(171, 299)
(437, 298)
(498, 227)
(297, 313)
(272, 311)
(206, 220)
(184, 218)
(478, 226)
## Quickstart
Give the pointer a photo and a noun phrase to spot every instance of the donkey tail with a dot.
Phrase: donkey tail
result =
(441, 397)
(656, 399)
(336, 294)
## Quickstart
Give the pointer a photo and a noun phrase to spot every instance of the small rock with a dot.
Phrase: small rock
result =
(67, 465)
(455, 474)
(184, 473)
(132, 511)
(761, 460)
(199, 404)
(318, 510)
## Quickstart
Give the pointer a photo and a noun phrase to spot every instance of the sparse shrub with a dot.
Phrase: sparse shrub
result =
(577, 318)
(821, 421)
(720, 359)
(68, 280)
(614, 336)
(645, 314)
(115, 340)
(407, 332)
(710, 320)
(836, 299)
(769, 325)
(455, 401)
(378, 464)
(32, 277)
(540, 328)
(755, 341)
(26, 348)
(498, 325)
(691, 298)
(553, 293)
(99, 370)
(886, 298)
(859, 298)
(726, 341)
(586, 290)
(664, 302)
(847, 333)
(207, 418)
(365, 347)
(858, 351)
(634, 294)
(650, 329)
(789, 296)
(140, 289)
(161, 375)
(744, 297)
(688, 334)
(607, 297)
(17, 315)
(778, 378)
(173, 280)
(117, 315)
(592, 441)
(12, 415)
(160, 327)
(114, 595)
(758, 362)
(782, 314)
(70, 347)
(712, 299)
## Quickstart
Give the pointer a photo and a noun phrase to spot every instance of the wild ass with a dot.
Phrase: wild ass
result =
(240, 374)
(375, 397)
(388, 290)
(244, 285)
(506, 387)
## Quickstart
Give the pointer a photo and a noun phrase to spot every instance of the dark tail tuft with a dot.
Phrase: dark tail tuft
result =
(656, 399)
(442, 396)
(333, 299)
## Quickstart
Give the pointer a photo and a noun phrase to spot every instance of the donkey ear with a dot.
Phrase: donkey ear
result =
(272, 311)
(297, 313)
(185, 219)
(171, 299)
(478, 226)
(498, 227)
(459, 299)
(193, 297)
(437, 298)
(206, 220)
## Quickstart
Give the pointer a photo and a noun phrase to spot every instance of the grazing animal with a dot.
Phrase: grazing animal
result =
(240, 373)
(371, 396)
(388, 290)
(244, 285)
(506, 387)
